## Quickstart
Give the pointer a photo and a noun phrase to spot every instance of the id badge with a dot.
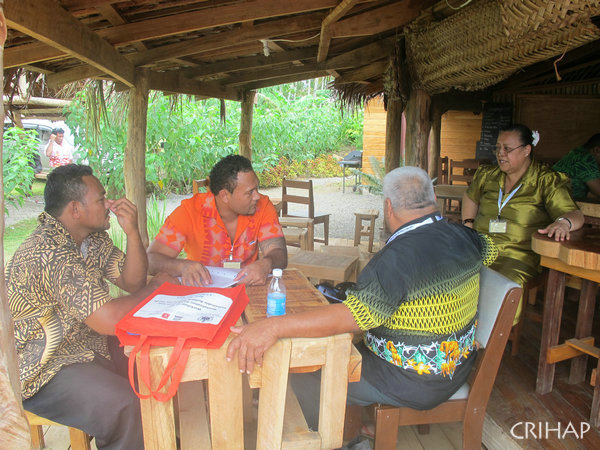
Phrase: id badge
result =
(498, 226)
(232, 264)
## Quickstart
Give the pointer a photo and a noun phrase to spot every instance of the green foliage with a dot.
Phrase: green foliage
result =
(185, 137)
(374, 181)
(15, 234)
(320, 167)
(19, 146)
(156, 214)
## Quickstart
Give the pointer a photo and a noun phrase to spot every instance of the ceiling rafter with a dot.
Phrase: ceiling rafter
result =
(200, 20)
(333, 16)
(380, 19)
(57, 28)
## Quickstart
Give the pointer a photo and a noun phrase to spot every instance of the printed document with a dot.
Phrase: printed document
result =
(204, 307)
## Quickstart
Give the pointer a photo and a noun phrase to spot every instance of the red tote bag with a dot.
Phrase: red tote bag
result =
(160, 320)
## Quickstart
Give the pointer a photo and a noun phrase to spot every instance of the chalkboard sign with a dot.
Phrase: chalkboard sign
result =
(495, 117)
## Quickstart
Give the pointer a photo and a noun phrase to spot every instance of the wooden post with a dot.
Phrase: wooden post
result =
(418, 124)
(14, 430)
(246, 124)
(393, 134)
(134, 167)
(436, 140)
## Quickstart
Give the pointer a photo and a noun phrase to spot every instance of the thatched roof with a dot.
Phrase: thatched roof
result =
(219, 48)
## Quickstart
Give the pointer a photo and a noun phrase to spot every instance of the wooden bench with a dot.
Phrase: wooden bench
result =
(80, 440)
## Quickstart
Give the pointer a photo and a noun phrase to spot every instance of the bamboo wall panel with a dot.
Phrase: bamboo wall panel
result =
(373, 133)
(460, 132)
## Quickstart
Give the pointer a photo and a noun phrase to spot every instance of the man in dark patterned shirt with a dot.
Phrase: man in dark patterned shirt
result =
(62, 310)
(416, 300)
(581, 165)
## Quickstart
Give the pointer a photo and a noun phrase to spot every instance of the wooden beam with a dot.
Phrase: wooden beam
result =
(248, 98)
(362, 55)
(364, 73)
(134, 162)
(45, 21)
(418, 125)
(380, 19)
(393, 134)
(285, 80)
(21, 55)
(325, 38)
(71, 75)
(174, 82)
(209, 18)
(225, 39)
(269, 73)
(249, 62)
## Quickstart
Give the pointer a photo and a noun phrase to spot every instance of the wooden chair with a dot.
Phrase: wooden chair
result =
(307, 199)
(461, 172)
(199, 184)
(299, 232)
(442, 171)
(498, 301)
(80, 440)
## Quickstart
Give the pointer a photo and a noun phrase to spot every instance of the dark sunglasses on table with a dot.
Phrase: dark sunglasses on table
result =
(508, 150)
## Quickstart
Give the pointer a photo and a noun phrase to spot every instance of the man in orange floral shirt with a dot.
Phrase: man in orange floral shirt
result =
(232, 223)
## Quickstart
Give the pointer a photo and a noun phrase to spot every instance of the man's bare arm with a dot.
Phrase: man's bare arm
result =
(274, 256)
(255, 339)
(162, 258)
(105, 318)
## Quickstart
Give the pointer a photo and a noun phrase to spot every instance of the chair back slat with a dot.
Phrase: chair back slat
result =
(198, 184)
(296, 197)
(493, 288)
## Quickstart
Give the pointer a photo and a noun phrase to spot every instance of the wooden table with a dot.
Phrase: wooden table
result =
(580, 256)
(334, 355)
(324, 265)
(445, 193)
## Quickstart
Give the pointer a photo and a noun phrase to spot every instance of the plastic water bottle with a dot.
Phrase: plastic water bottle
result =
(276, 295)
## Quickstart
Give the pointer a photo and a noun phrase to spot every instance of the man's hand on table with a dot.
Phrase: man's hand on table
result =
(254, 274)
(194, 273)
(252, 342)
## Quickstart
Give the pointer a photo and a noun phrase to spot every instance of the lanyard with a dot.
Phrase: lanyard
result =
(412, 227)
(502, 204)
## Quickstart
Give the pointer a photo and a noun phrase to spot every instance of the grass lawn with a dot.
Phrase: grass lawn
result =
(15, 234)
(38, 187)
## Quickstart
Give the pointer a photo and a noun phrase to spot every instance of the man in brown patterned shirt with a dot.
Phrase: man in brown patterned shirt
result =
(62, 311)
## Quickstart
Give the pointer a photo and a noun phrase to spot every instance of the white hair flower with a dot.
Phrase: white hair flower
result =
(536, 137)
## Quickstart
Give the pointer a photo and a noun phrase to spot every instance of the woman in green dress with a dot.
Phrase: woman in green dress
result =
(514, 199)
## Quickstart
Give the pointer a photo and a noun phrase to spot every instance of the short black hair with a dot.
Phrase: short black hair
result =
(64, 185)
(58, 131)
(224, 174)
(525, 134)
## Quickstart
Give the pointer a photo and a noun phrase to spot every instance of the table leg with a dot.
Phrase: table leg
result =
(334, 387)
(553, 303)
(271, 406)
(225, 390)
(158, 421)
(585, 319)
(595, 414)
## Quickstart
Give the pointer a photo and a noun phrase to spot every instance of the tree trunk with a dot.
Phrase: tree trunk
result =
(246, 124)
(393, 134)
(436, 141)
(134, 167)
(418, 124)
(14, 430)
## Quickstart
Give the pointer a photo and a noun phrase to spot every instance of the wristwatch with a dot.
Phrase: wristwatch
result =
(466, 221)
(564, 218)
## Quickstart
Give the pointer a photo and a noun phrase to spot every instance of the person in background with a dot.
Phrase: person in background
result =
(231, 223)
(416, 299)
(62, 310)
(58, 150)
(581, 165)
(514, 199)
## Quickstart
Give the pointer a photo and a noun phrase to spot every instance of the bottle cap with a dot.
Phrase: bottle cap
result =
(277, 272)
